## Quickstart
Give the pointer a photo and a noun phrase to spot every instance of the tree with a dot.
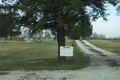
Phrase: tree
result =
(118, 9)
(102, 36)
(97, 36)
(7, 24)
(85, 24)
(58, 15)
(118, 37)
(76, 32)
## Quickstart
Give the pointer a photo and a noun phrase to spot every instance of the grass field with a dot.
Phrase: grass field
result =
(37, 56)
(109, 45)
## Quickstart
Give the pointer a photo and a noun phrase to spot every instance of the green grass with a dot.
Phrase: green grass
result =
(37, 56)
(112, 46)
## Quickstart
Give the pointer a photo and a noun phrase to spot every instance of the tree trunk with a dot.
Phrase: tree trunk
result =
(61, 42)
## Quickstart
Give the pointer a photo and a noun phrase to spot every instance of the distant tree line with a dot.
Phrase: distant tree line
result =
(97, 36)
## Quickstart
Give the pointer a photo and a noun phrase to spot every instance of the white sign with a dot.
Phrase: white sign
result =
(66, 51)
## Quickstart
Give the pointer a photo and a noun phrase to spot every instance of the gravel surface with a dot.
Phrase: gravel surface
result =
(104, 66)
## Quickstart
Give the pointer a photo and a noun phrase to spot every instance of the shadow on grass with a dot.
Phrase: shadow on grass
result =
(47, 64)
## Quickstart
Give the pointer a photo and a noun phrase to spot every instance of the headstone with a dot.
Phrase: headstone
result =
(29, 40)
(50, 39)
(5, 38)
(38, 40)
(66, 38)
(25, 39)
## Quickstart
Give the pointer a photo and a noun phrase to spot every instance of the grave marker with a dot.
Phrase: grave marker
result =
(38, 40)
(29, 40)
(50, 39)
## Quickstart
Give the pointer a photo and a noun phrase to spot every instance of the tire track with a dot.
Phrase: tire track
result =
(92, 49)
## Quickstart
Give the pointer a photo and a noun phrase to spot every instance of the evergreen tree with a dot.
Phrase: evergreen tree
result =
(76, 32)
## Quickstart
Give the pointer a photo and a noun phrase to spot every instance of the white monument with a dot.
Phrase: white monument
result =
(38, 40)
(29, 39)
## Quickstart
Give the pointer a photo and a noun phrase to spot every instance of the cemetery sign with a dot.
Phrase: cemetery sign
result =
(66, 51)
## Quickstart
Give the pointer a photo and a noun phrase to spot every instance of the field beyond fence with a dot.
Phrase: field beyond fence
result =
(109, 45)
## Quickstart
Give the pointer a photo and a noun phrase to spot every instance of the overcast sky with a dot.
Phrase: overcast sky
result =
(110, 28)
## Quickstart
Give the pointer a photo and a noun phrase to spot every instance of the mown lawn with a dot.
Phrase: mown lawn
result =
(38, 56)
(112, 46)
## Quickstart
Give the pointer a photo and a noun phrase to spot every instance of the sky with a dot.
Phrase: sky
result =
(110, 28)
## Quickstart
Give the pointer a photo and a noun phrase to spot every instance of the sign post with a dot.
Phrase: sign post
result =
(66, 51)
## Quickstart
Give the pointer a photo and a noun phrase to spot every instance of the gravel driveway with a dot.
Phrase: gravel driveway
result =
(104, 66)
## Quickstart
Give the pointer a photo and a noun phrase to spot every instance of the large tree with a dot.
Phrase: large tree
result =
(58, 15)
